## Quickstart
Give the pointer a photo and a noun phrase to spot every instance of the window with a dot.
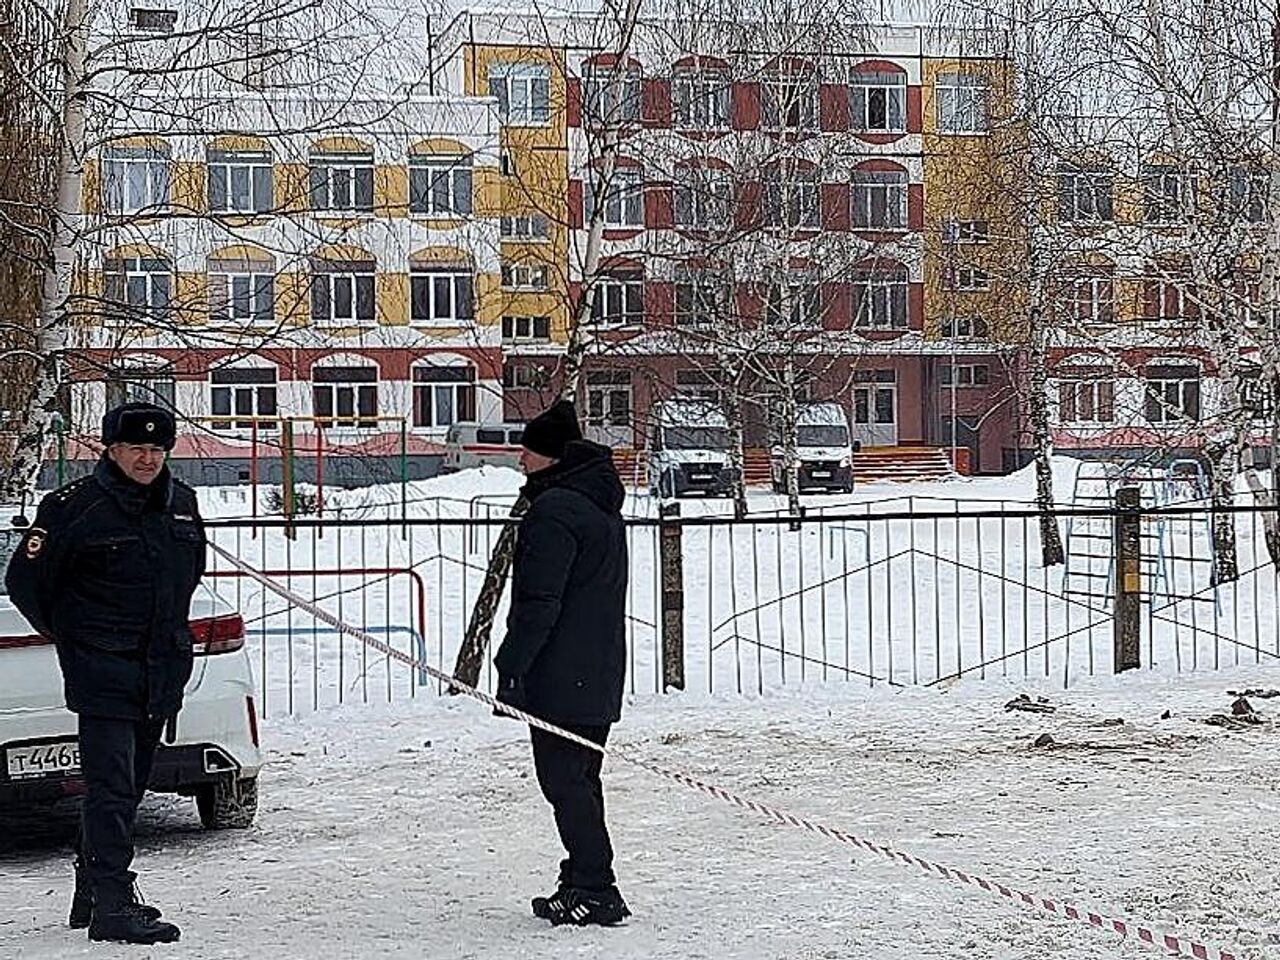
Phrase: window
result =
(443, 396)
(611, 95)
(791, 197)
(134, 179)
(523, 92)
(623, 199)
(966, 279)
(609, 398)
(440, 186)
(532, 227)
(441, 295)
(243, 392)
(1256, 398)
(345, 396)
(525, 276)
(879, 199)
(1086, 394)
(1247, 194)
(138, 286)
(803, 301)
(150, 20)
(619, 301)
(342, 291)
(1172, 393)
(701, 293)
(242, 291)
(880, 297)
(520, 377)
(526, 329)
(965, 231)
(790, 103)
(1084, 195)
(506, 163)
(698, 385)
(1088, 298)
(1169, 299)
(966, 328)
(966, 375)
(1169, 194)
(141, 385)
(239, 181)
(342, 182)
(962, 102)
(701, 99)
(878, 103)
(703, 197)
(1244, 296)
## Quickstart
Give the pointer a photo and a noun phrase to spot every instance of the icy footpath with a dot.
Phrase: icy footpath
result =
(416, 831)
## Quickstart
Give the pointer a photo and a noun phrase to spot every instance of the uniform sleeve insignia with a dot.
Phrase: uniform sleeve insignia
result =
(35, 542)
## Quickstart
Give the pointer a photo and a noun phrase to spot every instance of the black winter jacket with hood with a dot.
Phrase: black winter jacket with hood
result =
(564, 656)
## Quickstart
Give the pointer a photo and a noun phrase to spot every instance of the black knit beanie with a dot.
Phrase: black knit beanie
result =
(552, 430)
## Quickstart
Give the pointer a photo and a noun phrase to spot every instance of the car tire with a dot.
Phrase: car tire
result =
(227, 803)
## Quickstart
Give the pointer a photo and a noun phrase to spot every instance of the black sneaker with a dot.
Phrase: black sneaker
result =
(604, 908)
(131, 923)
(82, 904)
(547, 908)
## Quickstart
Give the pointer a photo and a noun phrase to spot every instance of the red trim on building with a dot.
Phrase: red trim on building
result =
(834, 202)
(915, 206)
(659, 206)
(573, 102)
(744, 106)
(833, 107)
(575, 204)
(915, 109)
(655, 104)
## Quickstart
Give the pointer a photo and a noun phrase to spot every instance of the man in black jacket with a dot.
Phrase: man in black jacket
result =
(564, 656)
(107, 571)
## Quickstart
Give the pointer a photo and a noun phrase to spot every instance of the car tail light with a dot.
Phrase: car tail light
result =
(253, 721)
(29, 640)
(217, 635)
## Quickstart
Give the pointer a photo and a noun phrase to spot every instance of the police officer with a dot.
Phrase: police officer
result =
(107, 571)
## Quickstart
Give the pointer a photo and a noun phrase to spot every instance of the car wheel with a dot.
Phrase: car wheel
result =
(227, 803)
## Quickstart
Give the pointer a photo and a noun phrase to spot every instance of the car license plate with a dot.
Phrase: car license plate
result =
(822, 474)
(701, 478)
(60, 759)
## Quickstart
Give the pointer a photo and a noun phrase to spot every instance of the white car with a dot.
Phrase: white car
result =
(210, 752)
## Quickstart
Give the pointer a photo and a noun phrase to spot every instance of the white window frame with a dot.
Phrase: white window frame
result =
(356, 390)
(965, 375)
(247, 294)
(1086, 195)
(703, 290)
(135, 179)
(612, 97)
(966, 328)
(701, 99)
(610, 398)
(1172, 290)
(523, 92)
(350, 174)
(889, 298)
(252, 397)
(346, 283)
(524, 329)
(802, 207)
(791, 93)
(966, 279)
(618, 301)
(448, 190)
(884, 191)
(145, 285)
(1166, 399)
(449, 296)
(526, 276)
(1164, 193)
(461, 394)
(1090, 298)
(805, 293)
(1087, 394)
(528, 228)
(966, 231)
(703, 198)
(623, 199)
(255, 168)
(963, 103)
(865, 88)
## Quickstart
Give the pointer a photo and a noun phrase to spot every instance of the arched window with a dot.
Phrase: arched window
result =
(1088, 294)
(878, 99)
(444, 393)
(700, 93)
(611, 93)
(704, 196)
(341, 177)
(880, 296)
(141, 379)
(789, 97)
(442, 287)
(879, 197)
(242, 287)
(440, 180)
(342, 289)
(245, 389)
(240, 178)
(344, 392)
(1172, 391)
(791, 195)
(135, 178)
(138, 284)
(1086, 391)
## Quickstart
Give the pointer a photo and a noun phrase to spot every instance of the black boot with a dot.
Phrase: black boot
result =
(131, 923)
(582, 907)
(82, 902)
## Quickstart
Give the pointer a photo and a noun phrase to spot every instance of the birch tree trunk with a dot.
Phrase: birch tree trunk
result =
(53, 333)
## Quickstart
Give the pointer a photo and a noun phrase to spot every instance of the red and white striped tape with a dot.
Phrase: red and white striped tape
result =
(1180, 946)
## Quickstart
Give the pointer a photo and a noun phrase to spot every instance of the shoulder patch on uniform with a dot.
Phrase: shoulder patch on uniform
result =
(63, 494)
(35, 541)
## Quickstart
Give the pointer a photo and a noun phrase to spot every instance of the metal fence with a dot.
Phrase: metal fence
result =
(901, 592)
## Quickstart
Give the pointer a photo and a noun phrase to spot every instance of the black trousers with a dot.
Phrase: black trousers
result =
(569, 776)
(115, 757)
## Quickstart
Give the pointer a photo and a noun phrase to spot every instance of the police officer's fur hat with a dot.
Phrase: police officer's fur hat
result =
(139, 423)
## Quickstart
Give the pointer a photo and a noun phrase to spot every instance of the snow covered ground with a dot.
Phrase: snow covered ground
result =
(415, 830)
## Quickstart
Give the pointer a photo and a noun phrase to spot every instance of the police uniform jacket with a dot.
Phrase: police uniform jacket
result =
(107, 570)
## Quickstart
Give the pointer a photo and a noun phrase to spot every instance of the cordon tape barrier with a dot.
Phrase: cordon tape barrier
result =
(1176, 945)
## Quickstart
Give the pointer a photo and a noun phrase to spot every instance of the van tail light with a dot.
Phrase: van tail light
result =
(29, 640)
(217, 635)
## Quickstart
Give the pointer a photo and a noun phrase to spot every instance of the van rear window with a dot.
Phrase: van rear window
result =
(489, 436)
(515, 437)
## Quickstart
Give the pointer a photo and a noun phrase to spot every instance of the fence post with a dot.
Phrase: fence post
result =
(671, 561)
(1127, 525)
